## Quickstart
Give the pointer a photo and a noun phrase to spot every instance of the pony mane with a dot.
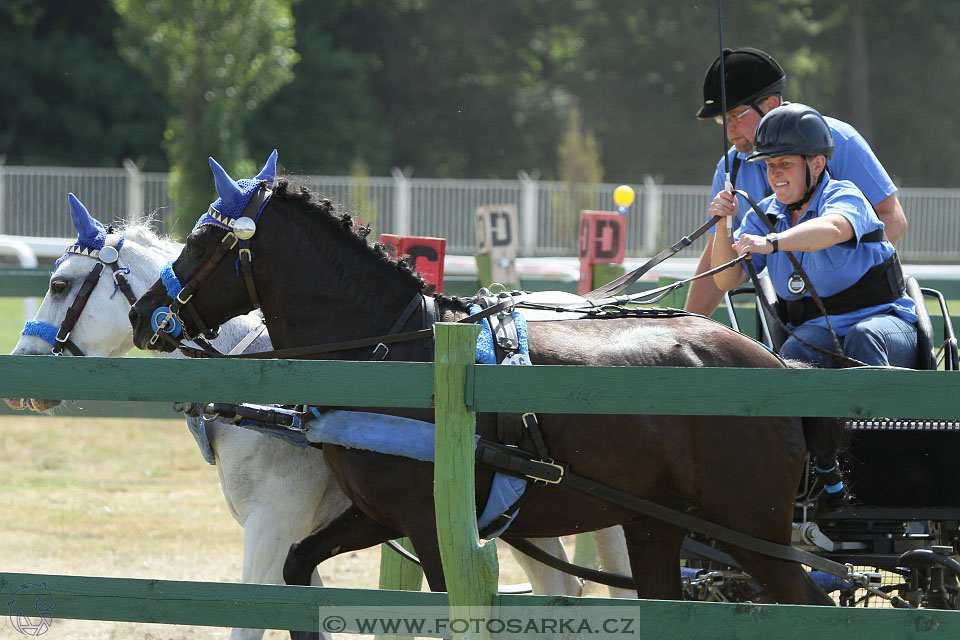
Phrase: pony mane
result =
(342, 223)
(141, 231)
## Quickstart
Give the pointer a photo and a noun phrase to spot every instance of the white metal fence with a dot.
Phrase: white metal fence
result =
(33, 203)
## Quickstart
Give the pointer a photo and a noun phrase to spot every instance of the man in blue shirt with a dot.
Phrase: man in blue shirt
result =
(754, 81)
(837, 239)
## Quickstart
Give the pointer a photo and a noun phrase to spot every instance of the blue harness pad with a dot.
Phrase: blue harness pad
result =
(409, 438)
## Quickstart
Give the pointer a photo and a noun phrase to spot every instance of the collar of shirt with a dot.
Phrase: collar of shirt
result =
(783, 214)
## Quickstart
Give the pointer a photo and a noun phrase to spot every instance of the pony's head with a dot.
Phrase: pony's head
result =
(87, 279)
(215, 259)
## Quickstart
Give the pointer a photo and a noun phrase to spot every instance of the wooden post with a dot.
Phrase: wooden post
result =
(398, 573)
(471, 570)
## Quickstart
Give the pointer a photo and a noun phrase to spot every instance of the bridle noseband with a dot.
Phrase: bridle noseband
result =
(166, 321)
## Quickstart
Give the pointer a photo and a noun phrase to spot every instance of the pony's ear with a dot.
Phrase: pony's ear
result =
(269, 171)
(88, 229)
(227, 188)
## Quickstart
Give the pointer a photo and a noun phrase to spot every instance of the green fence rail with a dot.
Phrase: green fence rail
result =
(458, 388)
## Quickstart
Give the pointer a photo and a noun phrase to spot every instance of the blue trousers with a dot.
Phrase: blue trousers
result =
(878, 340)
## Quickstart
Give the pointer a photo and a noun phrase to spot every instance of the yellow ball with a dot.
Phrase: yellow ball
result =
(623, 196)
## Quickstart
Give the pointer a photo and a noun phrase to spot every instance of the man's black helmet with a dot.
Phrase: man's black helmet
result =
(792, 129)
(750, 73)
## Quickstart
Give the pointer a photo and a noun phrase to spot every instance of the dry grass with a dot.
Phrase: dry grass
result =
(129, 498)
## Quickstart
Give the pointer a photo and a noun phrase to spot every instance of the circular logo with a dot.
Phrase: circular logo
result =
(29, 609)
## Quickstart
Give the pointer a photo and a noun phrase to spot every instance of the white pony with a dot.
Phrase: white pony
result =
(278, 492)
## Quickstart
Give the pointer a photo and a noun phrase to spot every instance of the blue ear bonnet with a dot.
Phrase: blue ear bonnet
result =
(234, 195)
(91, 235)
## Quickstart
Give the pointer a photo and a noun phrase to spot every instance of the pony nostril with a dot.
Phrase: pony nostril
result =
(134, 316)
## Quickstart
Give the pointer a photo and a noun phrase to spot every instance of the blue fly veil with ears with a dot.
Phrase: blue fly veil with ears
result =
(91, 237)
(233, 196)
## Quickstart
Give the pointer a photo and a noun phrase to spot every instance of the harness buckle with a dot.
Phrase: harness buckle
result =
(561, 470)
(232, 244)
(183, 302)
(380, 351)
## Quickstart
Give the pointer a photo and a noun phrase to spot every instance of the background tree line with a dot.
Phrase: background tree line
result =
(457, 88)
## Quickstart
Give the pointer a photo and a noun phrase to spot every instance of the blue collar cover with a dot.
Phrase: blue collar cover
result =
(485, 347)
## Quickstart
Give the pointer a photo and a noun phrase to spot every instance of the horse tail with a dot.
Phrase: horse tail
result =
(825, 437)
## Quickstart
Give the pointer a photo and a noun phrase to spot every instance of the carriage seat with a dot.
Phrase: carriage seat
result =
(926, 345)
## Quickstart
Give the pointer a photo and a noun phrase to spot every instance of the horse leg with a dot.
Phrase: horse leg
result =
(264, 550)
(612, 552)
(350, 531)
(654, 550)
(543, 579)
(785, 582)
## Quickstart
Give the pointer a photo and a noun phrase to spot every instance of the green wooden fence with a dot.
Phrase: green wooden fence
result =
(458, 388)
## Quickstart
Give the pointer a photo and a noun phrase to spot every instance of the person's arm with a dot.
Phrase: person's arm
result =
(725, 204)
(812, 235)
(891, 215)
(704, 297)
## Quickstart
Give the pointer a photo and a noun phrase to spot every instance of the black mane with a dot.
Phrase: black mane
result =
(341, 222)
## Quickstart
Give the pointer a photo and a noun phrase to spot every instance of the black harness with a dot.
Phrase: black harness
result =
(108, 255)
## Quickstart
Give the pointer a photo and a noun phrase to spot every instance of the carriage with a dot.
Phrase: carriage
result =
(904, 524)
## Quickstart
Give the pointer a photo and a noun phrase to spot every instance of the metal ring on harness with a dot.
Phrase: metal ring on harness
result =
(170, 323)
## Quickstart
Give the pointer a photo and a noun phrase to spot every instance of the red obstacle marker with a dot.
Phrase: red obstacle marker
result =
(424, 254)
(603, 241)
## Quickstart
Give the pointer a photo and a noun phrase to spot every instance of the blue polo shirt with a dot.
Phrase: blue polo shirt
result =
(835, 268)
(852, 160)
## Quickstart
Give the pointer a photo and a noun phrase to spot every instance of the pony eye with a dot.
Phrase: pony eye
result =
(58, 286)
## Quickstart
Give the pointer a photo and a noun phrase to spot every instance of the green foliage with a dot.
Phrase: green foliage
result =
(362, 202)
(455, 88)
(217, 61)
(68, 98)
(580, 170)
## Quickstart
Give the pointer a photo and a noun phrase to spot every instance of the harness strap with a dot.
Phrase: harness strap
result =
(845, 360)
(882, 283)
(297, 352)
(73, 313)
(517, 462)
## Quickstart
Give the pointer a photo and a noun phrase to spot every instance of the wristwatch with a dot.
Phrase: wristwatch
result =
(774, 241)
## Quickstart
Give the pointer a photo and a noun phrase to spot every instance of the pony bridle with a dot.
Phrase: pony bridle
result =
(166, 321)
(109, 255)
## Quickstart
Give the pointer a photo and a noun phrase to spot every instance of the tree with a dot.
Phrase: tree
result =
(67, 96)
(217, 61)
(327, 119)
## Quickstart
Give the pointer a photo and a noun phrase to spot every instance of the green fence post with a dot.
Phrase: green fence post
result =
(470, 569)
(398, 574)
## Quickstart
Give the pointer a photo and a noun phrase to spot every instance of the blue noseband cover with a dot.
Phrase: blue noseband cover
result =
(43, 330)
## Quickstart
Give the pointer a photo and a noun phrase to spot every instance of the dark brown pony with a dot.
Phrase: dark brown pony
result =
(320, 282)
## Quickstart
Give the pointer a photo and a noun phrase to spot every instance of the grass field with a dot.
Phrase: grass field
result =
(130, 498)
